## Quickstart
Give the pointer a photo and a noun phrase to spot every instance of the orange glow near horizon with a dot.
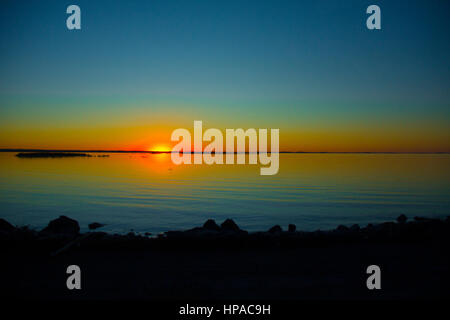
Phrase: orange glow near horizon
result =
(157, 138)
(160, 148)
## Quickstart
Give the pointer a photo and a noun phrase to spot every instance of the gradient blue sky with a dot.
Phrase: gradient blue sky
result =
(310, 68)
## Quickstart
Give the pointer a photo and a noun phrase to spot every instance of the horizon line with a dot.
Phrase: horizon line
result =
(195, 152)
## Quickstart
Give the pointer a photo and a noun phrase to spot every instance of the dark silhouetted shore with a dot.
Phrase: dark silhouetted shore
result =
(51, 154)
(224, 262)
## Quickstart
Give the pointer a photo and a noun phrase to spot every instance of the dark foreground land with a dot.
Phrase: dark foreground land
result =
(223, 262)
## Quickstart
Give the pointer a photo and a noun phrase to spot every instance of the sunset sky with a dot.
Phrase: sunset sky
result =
(139, 69)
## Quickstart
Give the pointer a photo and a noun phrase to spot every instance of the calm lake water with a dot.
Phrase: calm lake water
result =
(146, 192)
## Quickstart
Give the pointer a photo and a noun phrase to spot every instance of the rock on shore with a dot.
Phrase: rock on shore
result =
(62, 226)
(64, 230)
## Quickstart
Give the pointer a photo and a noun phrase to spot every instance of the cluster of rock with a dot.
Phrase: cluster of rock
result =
(64, 233)
(210, 228)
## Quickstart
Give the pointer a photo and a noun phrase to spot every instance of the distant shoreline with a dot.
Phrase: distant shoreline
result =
(51, 155)
(160, 152)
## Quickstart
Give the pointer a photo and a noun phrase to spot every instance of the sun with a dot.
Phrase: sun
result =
(160, 148)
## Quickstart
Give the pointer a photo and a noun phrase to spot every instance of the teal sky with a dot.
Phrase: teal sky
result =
(301, 66)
